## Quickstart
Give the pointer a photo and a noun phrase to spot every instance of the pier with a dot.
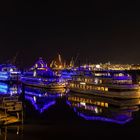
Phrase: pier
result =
(11, 110)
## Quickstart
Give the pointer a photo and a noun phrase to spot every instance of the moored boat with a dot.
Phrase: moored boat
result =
(9, 72)
(42, 76)
(113, 84)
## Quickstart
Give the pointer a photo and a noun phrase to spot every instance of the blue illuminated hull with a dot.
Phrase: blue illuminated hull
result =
(50, 86)
(38, 82)
(6, 76)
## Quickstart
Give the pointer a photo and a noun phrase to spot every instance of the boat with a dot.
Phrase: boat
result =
(109, 83)
(9, 89)
(103, 109)
(42, 76)
(9, 72)
(67, 74)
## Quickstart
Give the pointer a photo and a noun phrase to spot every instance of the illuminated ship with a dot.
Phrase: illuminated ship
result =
(114, 84)
(61, 69)
(67, 74)
(42, 76)
(9, 90)
(103, 109)
(9, 72)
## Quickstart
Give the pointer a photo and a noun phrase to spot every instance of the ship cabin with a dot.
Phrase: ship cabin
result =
(103, 81)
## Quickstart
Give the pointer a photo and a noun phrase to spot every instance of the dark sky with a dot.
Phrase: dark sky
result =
(99, 31)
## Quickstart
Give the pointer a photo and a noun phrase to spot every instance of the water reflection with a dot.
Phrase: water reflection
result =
(103, 109)
(85, 106)
(42, 99)
(11, 132)
(41, 92)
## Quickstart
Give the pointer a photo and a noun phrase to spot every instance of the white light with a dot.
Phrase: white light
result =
(96, 81)
(96, 110)
(15, 72)
(82, 103)
(34, 98)
(98, 66)
(11, 70)
(82, 83)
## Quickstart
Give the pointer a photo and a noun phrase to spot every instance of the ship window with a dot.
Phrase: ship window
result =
(90, 87)
(96, 81)
(86, 79)
(102, 88)
(83, 86)
(106, 104)
(100, 81)
(78, 79)
(106, 89)
(72, 85)
(98, 103)
(102, 104)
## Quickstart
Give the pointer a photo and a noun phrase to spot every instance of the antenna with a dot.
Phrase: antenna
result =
(76, 58)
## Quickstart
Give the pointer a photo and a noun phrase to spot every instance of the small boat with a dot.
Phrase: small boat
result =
(9, 72)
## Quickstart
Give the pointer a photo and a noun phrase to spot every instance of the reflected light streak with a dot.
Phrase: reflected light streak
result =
(41, 110)
(86, 117)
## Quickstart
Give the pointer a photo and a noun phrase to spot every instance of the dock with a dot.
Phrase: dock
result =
(11, 110)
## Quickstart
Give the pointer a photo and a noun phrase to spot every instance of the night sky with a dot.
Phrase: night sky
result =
(100, 31)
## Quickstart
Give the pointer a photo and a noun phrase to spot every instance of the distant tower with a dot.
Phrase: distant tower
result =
(72, 62)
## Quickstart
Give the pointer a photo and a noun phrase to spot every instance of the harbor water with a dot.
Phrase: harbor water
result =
(63, 114)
